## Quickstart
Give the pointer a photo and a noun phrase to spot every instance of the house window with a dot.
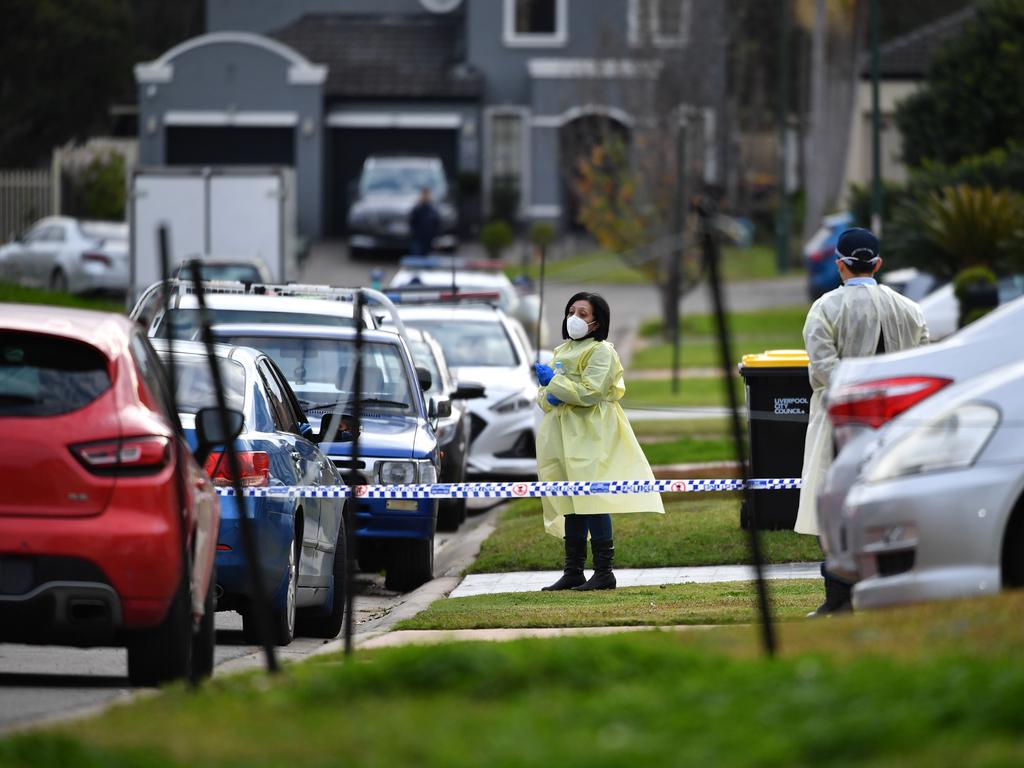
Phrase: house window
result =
(507, 154)
(536, 22)
(661, 23)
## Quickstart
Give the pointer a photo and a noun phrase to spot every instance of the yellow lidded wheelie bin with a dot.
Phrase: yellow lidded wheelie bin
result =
(778, 401)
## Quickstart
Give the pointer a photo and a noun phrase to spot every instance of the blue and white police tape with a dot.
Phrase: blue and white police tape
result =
(513, 490)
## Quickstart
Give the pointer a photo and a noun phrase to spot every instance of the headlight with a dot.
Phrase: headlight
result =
(445, 432)
(407, 472)
(951, 441)
(512, 403)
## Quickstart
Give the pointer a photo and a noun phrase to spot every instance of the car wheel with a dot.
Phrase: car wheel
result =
(1013, 550)
(411, 564)
(451, 513)
(369, 556)
(357, 254)
(282, 622)
(59, 281)
(204, 641)
(328, 623)
(164, 653)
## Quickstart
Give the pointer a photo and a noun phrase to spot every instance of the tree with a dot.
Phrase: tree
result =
(971, 100)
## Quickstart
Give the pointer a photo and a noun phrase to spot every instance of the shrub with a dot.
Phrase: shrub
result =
(975, 290)
(495, 237)
(103, 188)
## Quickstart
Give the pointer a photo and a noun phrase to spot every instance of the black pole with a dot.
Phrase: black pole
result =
(163, 248)
(676, 251)
(709, 239)
(353, 477)
(259, 602)
(876, 127)
(540, 294)
(782, 119)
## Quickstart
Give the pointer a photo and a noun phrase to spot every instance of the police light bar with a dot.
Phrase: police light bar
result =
(425, 294)
(451, 262)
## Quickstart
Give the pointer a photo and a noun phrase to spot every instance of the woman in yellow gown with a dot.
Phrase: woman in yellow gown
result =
(585, 436)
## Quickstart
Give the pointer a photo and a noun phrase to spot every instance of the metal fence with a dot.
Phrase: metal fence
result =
(25, 195)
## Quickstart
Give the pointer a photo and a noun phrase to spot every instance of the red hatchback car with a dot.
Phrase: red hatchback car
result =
(95, 548)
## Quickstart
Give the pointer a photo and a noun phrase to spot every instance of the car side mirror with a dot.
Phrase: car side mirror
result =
(444, 408)
(209, 430)
(424, 378)
(469, 390)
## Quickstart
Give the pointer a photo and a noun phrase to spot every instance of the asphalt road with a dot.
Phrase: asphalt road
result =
(41, 684)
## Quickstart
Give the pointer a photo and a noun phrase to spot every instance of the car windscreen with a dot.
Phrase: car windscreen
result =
(103, 230)
(321, 371)
(471, 344)
(184, 323)
(47, 375)
(194, 385)
(394, 179)
(424, 356)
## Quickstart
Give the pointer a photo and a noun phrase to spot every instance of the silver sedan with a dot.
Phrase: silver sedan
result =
(937, 510)
(59, 253)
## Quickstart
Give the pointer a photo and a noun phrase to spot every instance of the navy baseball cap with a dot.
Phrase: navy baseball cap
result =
(858, 247)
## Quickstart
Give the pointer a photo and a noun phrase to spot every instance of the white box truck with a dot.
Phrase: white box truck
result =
(238, 213)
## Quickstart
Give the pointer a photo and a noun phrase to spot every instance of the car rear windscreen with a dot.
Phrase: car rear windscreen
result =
(47, 376)
(184, 323)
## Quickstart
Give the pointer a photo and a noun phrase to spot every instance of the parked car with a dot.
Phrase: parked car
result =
(301, 542)
(232, 270)
(243, 303)
(938, 510)
(96, 546)
(911, 282)
(942, 310)
(62, 254)
(869, 392)
(388, 189)
(397, 445)
(452, 425)
(819, 254)
(481, 343)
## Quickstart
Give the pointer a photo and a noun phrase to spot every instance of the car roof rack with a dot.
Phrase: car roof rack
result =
(179, 288)
(446, 262)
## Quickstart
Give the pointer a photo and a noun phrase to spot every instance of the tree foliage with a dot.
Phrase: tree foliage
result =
(971, 100)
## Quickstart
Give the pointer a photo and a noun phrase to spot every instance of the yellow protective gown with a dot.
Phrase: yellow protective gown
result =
(589, 437)
(846, 323)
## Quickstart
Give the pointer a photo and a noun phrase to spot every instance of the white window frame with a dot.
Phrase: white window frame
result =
(524, 115)
(558, 39)
(639, 33)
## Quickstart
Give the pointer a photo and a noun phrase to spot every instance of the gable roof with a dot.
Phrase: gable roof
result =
(907, 57)
(385, 56)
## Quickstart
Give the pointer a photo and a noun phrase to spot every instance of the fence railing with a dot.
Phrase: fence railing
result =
(25, 195)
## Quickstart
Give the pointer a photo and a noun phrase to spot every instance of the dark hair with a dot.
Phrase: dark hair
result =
(602, 314)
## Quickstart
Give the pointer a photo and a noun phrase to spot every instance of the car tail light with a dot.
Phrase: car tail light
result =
(820, 255)
(129, 455)
(876, 402)
(98, 258)
(254, 466)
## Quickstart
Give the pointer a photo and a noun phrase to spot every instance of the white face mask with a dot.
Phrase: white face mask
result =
(576, 327)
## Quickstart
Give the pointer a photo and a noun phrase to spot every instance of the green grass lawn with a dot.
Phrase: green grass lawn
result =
(696, 529)
(690, 449)
(941, 685)
(698, 392)
(668, 605)
(598, 266)
(19, 295)
(776, 321)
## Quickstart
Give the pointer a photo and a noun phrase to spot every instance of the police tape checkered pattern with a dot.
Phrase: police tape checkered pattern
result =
(513, 490)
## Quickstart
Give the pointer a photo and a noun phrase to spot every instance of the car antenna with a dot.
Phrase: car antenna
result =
(708, 215)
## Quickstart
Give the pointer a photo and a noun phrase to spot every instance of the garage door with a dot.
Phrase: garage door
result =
(227, 145)
(349, 147)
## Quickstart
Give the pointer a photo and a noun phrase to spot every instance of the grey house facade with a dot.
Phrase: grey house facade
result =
(507, 92)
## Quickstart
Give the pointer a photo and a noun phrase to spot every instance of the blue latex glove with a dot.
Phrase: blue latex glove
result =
(552, 400)
(544, 373)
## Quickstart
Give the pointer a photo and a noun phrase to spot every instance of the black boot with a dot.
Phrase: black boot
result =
(837, 598)
(603, 578)
(575, 557)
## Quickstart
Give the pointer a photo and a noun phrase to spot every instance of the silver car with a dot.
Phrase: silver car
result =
(937, 511)
(59, 253)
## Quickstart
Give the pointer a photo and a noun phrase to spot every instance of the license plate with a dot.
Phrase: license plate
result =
(403, 505)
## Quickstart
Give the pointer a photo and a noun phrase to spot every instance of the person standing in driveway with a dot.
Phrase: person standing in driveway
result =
(858, 319)
(585, 435)
(424, 225)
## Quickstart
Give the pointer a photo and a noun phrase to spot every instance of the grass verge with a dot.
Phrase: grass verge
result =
(941, 685)
(18, 295)
(696, 392)
(668, 605)
(700, 530)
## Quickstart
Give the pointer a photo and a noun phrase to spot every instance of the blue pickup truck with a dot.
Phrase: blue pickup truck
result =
(397, 444)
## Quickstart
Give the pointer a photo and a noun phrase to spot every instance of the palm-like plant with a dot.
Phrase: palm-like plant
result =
(976, 226)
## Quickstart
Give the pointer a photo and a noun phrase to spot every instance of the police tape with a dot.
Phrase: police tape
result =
(512, 490)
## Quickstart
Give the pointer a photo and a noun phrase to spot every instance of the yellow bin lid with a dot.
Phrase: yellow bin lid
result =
(776, 358)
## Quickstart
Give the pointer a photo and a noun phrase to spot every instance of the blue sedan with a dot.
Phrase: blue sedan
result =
(301, 542)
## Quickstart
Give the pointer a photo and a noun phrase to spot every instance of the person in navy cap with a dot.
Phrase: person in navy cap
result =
(858, 319)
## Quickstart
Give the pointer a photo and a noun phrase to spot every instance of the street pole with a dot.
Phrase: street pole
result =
(876, 126)
(782, 212)
(676, 255)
